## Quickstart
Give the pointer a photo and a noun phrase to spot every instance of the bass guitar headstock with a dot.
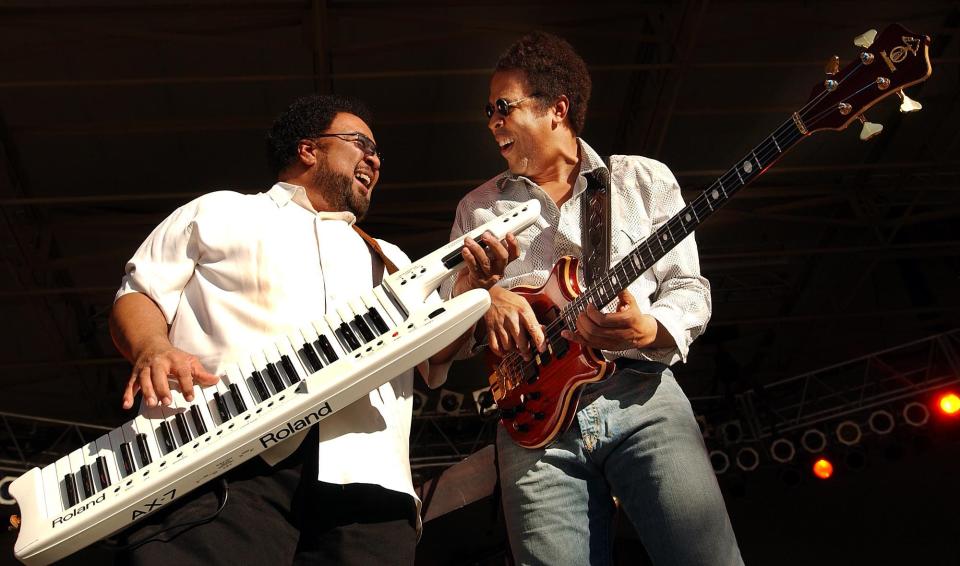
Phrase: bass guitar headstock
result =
(889, 63)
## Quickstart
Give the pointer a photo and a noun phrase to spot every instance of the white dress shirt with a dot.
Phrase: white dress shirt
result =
(644, 195)
(233, 272)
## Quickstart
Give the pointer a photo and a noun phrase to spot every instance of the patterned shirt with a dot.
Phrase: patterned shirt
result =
(644, 195)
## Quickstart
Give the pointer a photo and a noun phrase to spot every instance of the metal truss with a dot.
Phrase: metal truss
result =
(27, 442)
(882, 379)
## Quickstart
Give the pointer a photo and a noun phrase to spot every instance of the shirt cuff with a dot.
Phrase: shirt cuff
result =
(666, 316)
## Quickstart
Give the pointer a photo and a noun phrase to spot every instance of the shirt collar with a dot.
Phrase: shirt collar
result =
(590, 160)
(282, 193)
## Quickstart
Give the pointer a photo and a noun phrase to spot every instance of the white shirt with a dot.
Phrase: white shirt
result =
(232, 272)
(644, 195)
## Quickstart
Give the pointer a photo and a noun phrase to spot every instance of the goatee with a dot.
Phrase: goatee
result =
(337, 190)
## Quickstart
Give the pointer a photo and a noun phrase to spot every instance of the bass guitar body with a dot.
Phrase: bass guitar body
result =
(538, 399)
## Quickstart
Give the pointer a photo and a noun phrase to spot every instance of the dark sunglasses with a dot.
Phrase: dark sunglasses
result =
(363, 142)
(503, 106)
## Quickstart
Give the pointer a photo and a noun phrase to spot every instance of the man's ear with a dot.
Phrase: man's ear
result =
(305, 153)
(560, 109)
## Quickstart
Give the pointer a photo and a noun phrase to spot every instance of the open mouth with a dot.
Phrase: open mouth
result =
(363, 178)
(505, 145)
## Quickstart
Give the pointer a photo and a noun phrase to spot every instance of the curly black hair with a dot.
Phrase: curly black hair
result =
(307, 117)
(552, 68)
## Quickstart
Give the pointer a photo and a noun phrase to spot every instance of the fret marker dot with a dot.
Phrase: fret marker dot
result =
(687, 217)
(747, 167)
(715, 194)
(664, 237)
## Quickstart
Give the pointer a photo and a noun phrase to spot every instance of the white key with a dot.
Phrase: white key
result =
(52, 498)
(63, 470)
(285, 347)
(388, 308)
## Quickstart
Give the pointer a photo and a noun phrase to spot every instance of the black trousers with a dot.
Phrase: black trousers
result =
(279, 515)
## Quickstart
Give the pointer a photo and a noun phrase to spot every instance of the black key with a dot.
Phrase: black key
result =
(86, 482)
(260, 385)
(363, 328)
(144, 448)
(310, 358)
(378, 321)
(275, 377)
(129, 464)
(103, 471)
(222, 407)
(198, 420)
(72, 497)
(349, 336)
(288, 369)
(181, 420)
(166, 434)
(237, 398)
(323, 343)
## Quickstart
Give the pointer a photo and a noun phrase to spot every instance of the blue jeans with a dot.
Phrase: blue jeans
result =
(635, 437)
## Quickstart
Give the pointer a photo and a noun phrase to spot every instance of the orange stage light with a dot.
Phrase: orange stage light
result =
(822, 468)
(949, 403)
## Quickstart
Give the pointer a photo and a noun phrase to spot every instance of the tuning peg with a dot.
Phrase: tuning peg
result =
(833, 66)
(870, 129)
(865, 39)
(908, 104)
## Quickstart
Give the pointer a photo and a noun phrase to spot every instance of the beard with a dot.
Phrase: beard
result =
(337, 190)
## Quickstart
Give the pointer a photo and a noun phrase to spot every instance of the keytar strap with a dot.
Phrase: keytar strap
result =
(375, 246)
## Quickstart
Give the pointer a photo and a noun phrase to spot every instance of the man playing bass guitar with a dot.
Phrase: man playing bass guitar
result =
(633, 434)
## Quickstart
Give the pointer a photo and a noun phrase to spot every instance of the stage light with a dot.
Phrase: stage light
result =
(732, 432)
(822, 468)
(881, 422)
(5, 497)
(747, 459)
(720, 461)
(782, 450)
(916, 414)
(450, 402)
(848, 433)
(813, 441)
(949, 403)
(419, 400)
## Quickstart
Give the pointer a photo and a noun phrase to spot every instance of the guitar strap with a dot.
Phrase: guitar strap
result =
(595, 228)
(375, 246)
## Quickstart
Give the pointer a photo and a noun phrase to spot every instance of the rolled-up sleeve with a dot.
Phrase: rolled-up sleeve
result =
(165, 262)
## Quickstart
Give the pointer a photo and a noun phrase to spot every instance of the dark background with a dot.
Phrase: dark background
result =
(834, 275)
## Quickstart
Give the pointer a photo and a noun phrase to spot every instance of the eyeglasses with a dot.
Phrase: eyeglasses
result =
(365, 144)
(503, 106)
